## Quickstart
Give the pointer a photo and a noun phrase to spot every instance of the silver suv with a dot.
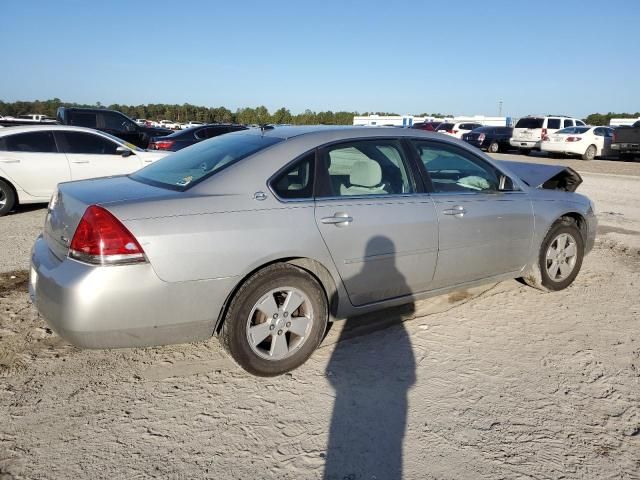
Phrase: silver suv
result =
(528, 132)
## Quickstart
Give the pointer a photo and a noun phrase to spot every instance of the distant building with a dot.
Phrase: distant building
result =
(616, 122)
(408, 120)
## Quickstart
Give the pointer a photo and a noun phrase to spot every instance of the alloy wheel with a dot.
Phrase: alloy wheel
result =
(561, 257)
(279, 323)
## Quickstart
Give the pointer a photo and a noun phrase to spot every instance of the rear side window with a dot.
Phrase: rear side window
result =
(79, 142)
(553, 123)
(297, 181)
(530, 122)
(373, 167)
(188, 167)
(38, 142)
(82, 119)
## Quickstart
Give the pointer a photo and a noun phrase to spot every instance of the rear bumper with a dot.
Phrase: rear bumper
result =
(121, 306)
(563, 147)
(525, 144)
(626, 147)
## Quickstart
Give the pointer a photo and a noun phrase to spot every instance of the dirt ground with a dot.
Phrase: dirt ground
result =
(501, 381)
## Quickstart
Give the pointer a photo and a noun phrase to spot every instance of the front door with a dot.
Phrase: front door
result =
(32, 160)
(483, 230)
(381, 233)
(91, 155)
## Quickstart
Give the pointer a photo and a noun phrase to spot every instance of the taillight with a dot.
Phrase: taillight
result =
(544, 132)
(454, 131)
(101, 239)
(613, 137)
(545, 138)
(161, 145)
(573, 139)
(481, 137)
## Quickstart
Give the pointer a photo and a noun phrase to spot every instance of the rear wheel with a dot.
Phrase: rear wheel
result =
(275, 321)
(494, 147)
(590, 153)
(7, 198)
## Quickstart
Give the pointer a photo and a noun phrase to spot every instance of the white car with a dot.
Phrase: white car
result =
(587, 142)
(192, 124)
(34, 159)
(528, 132)
(457, 129)
(169, 124)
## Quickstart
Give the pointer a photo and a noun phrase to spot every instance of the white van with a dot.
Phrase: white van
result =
(528, 132)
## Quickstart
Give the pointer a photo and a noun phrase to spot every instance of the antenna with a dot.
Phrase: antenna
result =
(499, 108)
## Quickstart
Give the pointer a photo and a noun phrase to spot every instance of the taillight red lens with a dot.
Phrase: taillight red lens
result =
(101, 238)
(481, 137)
(545, 138)
(573, 139)
(162, 145)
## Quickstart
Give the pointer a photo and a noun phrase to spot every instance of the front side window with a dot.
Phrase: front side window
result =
(188, 167)
(453, 170)
(297, 181)
(36, 142)
(580, 123)
(117, 122)
(370, 167)
(87, 143)
(568, 123)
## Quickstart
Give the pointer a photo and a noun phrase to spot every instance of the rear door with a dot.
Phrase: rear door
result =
(482, 231)
(382, 233)
(32, 160)
(91, 155)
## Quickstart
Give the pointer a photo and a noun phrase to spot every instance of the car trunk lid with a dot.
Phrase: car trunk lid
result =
(72, 199)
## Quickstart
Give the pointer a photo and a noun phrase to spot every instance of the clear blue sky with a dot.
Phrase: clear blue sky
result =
(460, 57)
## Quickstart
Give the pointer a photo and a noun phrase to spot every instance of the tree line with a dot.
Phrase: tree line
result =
(605, 118)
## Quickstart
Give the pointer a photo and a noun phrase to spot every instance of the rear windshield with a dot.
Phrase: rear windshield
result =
(188, 167)
(530, 122)
(574, 130)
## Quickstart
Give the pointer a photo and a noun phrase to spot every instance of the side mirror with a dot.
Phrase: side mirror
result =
(124, 151)
(506, 184)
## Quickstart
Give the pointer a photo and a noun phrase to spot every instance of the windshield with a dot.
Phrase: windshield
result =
(530, 122)
(574, 130)
(188, 167)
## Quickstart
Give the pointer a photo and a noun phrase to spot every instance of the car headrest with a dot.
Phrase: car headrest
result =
(365, 173)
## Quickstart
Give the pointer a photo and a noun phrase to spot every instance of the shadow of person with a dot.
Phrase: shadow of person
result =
(371, 377)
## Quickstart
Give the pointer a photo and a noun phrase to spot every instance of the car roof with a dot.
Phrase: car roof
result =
(38, 128)
(335, 132)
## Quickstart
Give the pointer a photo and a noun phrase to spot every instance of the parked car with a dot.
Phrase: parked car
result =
(586, 142)
(626, 141)
(491, 139)
(428, 126)
(110, 121)
(264, 236)
(528, 132)
(184, 126)
(143, 122)
(33, 160)
(457, 129)
(169, 124)
(184, 138)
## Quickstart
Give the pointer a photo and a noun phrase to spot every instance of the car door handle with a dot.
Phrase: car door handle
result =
(79, 161)
(9, 161)
(457, 211)
(339, 220)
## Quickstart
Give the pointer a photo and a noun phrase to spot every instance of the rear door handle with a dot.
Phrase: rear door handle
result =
(457, 211)
(9, 161)
(79, 161)
(339, 219)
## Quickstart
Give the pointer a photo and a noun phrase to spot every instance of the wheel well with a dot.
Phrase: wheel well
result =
(15, 191)
(313, 267)
(580, 221)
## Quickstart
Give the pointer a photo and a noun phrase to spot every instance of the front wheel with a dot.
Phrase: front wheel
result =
(494, 147)
(590, 153)
(7, 198)
(275, 321)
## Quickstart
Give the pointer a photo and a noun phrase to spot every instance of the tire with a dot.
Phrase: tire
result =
(7, 198)
(494, 147)
(590, 153)
(525, 151)
(544, 275)
(267, 291)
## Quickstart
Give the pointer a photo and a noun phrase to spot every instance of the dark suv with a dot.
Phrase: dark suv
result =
(110, 121)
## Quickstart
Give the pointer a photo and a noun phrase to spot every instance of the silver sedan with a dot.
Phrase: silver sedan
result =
(262, 237)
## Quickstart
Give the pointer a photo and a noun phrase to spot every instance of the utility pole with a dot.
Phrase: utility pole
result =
(499, 108)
